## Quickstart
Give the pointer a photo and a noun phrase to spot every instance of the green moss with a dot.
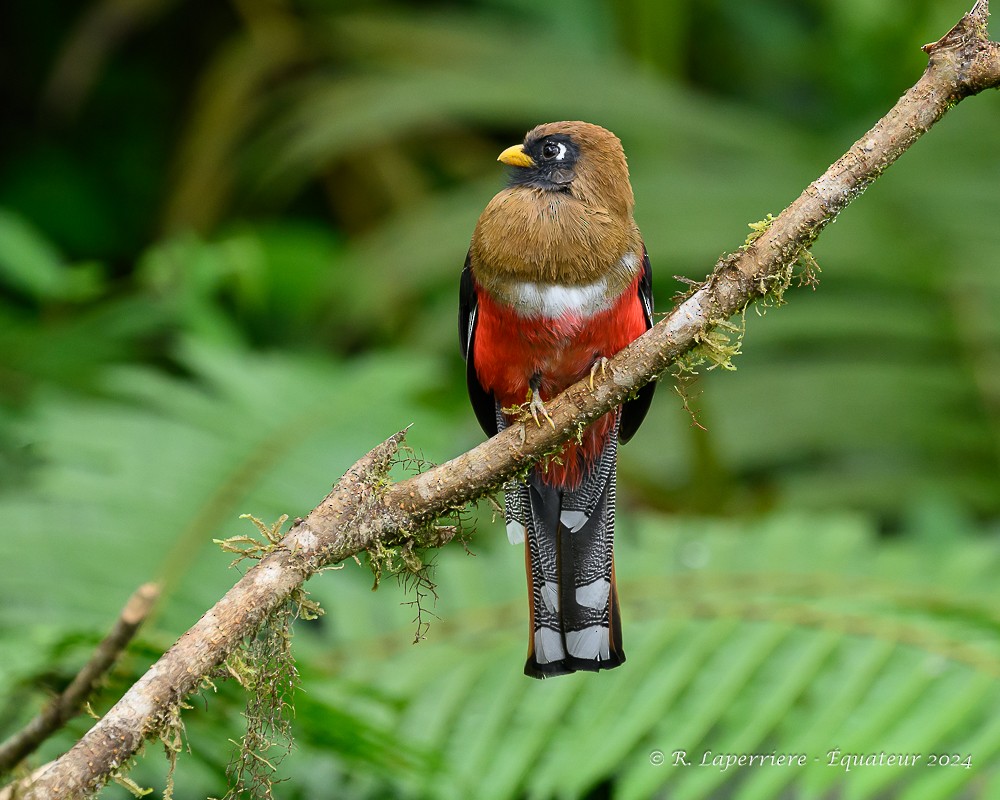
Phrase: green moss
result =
(172, 738)
(722, 340)
(264, 667)
(799, 261)
(716, 347)
(800, 264)
(756, 229)
(403, 557)
(127, 783)
(248, 546)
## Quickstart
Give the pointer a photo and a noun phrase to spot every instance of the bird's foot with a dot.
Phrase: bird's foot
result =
(536, 407)
(601, 365)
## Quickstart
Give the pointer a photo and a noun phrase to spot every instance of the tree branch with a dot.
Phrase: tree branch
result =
(64, 707)
(360, 512)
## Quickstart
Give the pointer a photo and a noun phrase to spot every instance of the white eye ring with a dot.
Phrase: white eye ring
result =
(559, 149)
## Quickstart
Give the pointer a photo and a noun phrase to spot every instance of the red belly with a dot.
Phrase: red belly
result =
(509, 349)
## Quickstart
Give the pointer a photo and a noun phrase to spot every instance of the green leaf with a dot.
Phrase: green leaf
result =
(32, 265)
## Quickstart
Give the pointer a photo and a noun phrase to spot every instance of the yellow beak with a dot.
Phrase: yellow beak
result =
(516, 157)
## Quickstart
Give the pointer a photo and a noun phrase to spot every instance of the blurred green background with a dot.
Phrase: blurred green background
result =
(230, 241)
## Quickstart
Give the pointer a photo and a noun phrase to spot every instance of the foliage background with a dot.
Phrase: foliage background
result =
(230, 236)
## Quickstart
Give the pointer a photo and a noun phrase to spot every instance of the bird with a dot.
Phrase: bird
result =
(556, 281)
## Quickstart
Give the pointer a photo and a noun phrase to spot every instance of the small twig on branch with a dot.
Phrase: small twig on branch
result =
(361, 512)
(64, 707)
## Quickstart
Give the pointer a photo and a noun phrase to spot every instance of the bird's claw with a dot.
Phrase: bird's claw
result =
(538, 407)
(601, 363)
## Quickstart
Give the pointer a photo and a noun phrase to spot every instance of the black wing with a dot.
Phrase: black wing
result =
(634, 411)
(483, 402)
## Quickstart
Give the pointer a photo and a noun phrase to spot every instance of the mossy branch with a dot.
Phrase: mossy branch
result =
(68, 704)
(364, 510)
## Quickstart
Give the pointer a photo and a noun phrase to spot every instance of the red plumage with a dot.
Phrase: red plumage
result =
(562, 350)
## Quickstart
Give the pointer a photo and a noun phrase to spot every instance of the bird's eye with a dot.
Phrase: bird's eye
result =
(553, 150)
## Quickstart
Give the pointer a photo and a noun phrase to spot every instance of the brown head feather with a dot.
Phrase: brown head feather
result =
(573, 236)
(601, 171)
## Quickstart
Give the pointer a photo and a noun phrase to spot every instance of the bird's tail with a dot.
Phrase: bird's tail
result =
(575, 621)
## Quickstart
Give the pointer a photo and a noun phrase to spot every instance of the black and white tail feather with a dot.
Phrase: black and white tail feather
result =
(575, 621)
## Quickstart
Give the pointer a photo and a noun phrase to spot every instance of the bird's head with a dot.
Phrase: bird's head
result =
(578, 158)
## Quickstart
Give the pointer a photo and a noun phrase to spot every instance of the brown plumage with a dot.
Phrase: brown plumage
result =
(569, 236)
(557, 279)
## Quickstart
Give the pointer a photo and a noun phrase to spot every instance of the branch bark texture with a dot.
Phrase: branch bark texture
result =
(68, 704)
(360, 512)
